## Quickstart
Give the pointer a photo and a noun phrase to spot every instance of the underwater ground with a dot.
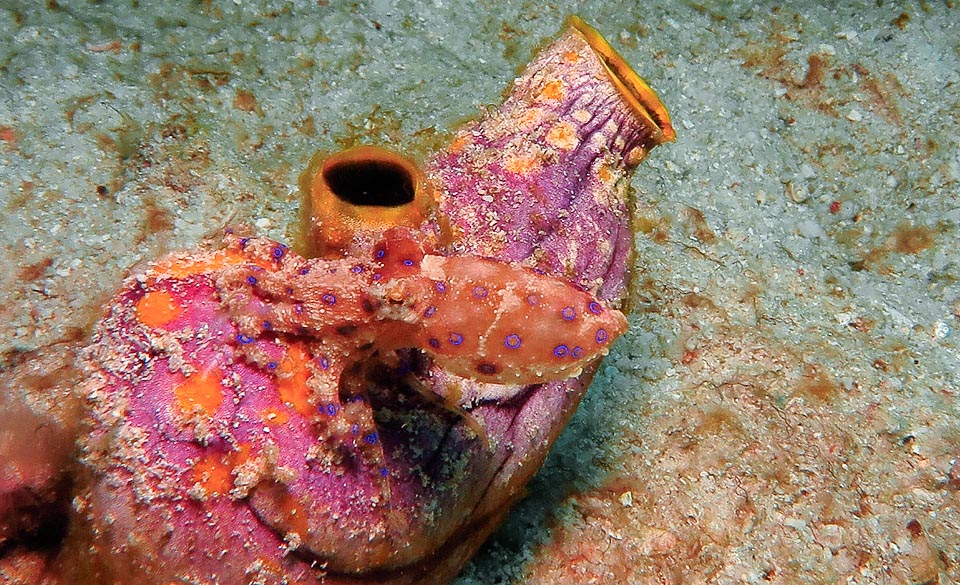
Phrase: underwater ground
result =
(786, 406)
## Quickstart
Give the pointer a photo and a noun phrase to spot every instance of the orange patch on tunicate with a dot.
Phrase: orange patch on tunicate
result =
(214, 471)
(571, 56)
(562, 136)
(292, 374)
(521, 164)
(294, 516)
(530, 118)
(604, 174)
(459, 143)
(553, 90)
(213, 475)
(275, 416)
(157, 308)
(201, 391)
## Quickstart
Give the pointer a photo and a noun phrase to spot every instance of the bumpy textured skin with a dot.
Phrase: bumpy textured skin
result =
(220, 418)
(261, 417)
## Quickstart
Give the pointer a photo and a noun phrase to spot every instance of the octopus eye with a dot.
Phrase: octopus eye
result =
(487, 369)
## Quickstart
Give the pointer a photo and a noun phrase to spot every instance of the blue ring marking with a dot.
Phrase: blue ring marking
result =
(370, 438)
(376, 277)
(289, 290)
(267, 325)
(434, 342)
(383, 472)
(324, 362)
(332, 409)
(354, 428)
(568, 313)
(305, 270)
(479, 291)
(244, 339)
(252, 279)
(512, 341)
(533, 300)
(561, 350)
(430, 312)
(456, 338)
(298, 308)
(595, 307)
(576, 352)
(380, 254)
(278, 253)
(271, 365)
(243, 243)
(329, 299)
(440, 286)
(601, 335)
(408, 262)
(357, 268)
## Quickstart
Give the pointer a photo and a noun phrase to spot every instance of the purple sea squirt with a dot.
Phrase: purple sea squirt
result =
(365, 406)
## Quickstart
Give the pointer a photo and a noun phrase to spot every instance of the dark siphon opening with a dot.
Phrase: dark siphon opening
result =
(370, 183)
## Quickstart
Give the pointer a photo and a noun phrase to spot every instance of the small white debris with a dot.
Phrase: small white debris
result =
(806, 171)
(263, 223)
(626, 499)
(810, 229)
(854, 115)
(940, 330)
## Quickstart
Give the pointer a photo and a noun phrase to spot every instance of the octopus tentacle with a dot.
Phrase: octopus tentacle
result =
(475, 317)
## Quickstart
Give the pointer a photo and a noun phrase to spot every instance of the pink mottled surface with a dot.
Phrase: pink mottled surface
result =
(367, 416)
